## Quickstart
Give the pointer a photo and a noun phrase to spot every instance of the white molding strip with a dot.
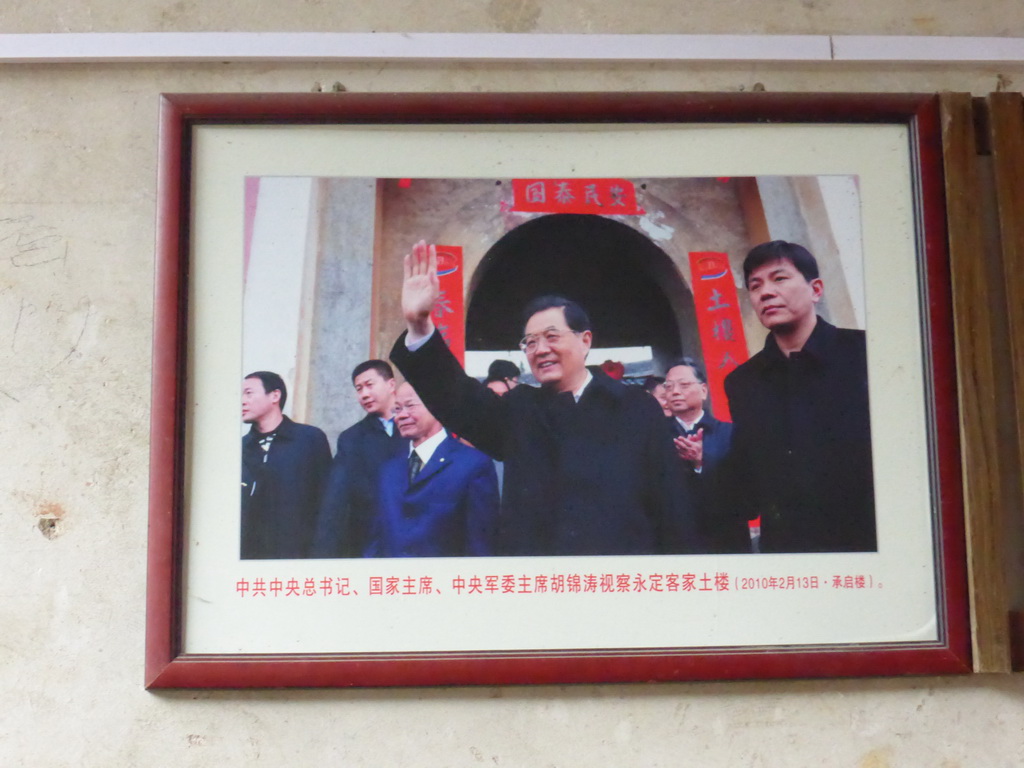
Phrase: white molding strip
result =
(115, 47)
(313, 46)
(977, 50)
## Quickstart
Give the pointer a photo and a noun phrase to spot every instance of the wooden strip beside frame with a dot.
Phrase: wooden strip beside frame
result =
(1006, 112)
(1006, 119)
(976, 375)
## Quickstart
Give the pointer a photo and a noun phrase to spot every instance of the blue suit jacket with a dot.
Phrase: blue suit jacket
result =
(449, 510)
(349, 505)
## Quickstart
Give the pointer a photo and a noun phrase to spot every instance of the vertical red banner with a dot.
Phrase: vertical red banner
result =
(449, 312)
(719, 322)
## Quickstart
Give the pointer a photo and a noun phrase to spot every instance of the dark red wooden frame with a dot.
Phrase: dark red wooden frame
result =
(168, 667)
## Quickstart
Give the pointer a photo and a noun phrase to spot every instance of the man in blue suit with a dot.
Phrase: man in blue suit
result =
(700, 439)
(702, 442)
(439, 500)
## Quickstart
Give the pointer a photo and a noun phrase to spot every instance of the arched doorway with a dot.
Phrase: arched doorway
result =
(633, 292)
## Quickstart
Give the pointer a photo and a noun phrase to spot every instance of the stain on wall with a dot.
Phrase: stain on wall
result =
(51, 516)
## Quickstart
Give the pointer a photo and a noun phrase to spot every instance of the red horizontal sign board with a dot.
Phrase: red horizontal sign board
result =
(605, 196)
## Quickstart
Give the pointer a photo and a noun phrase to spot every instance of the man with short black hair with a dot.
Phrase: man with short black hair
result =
(350, 499)
(284, 466)
(504, 371)
(588, 470)
(801, 445)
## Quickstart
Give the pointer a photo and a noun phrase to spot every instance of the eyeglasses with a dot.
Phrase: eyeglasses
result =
(551, 337)
(682, 386)
(399, 408)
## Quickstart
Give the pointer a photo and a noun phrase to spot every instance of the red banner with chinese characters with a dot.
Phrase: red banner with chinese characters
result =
(449, 315)
(719, 323)
(605, 196)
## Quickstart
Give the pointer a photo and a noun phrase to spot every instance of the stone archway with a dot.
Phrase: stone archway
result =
(633, 292)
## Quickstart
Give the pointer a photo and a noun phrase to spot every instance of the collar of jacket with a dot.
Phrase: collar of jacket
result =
(372, 421)
(817, 347)
(707, 422)
(285, 430)
(602, 384)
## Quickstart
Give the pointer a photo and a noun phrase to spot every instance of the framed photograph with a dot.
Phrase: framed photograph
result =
(758, 472)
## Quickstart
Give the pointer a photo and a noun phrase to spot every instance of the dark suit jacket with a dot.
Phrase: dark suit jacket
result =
(596, 477)
(801, 456)
(449, 510)
(349, 505)
(281, 494)
(719, 531)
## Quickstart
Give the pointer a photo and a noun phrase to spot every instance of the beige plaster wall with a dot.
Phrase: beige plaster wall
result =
(77, 183)
(868, 17)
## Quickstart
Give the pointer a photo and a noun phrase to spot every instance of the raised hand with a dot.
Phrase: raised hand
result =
(420, 288)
